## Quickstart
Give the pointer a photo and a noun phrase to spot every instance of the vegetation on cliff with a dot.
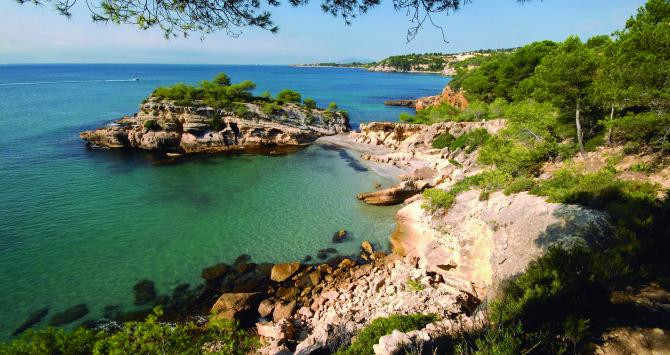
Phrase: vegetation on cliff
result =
(546, 91)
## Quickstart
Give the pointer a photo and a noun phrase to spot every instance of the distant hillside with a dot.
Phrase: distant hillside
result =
(443, 63)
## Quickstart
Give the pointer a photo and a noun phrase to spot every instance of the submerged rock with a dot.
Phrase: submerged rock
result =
(33, 319)
(340, 236)
(215, 271)
(145, 292)
(69, 315)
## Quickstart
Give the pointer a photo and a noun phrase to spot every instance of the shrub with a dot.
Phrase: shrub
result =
(147, 337)
(152, 125)
(242, 111)
(443, 140)
(218, 94)
(415, 285)
(470, 141)
(309, 103)
(287, 95)
(379, 327)
(651, 129)
(332, 107)
(270, 108)
(216, 123)
(631, 147)
(437, 198)
(519, 184)
(476, 111)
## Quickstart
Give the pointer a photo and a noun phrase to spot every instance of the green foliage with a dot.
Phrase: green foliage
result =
(489, 181)
(332, 107)
(470, 141)
(443, 140)
(53, 341)
(270, 108)
(287, 95)
(492, 341)
(415, 285)
(379, 327)
(217, 94)
(500, 75)
(432, 114)
(242, 111)
(519, 184)
(435, 199)
(651, 129)
(309, 103)
(147, 337)
(222, 79)
(152, 125)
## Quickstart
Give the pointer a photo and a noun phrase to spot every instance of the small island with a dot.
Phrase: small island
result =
(218, 116)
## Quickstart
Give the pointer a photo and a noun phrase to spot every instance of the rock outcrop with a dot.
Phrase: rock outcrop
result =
(411, 149)
(448, 95)
(163, 126)
(352, 295)
(489, 241)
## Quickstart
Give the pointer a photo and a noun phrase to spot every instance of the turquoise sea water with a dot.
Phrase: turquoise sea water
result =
(80, 225)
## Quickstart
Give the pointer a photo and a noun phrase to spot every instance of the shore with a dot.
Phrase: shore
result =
(345, 141)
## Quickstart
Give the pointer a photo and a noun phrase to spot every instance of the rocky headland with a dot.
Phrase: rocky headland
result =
(161, 125)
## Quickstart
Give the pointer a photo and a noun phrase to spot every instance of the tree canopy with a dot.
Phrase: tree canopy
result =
(183, 17)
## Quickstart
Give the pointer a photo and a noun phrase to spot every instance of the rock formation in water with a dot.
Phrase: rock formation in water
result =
(163, 126)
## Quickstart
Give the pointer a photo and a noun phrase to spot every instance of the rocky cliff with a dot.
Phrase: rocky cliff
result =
(163, 126)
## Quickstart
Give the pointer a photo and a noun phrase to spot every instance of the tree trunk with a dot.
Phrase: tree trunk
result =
(580, 134)
(609, 129)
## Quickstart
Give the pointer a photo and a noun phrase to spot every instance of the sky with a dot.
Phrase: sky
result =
(30, 34)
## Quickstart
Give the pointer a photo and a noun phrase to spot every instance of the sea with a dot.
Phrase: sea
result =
(80, 225)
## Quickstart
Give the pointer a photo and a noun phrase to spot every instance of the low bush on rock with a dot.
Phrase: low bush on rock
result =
(369, 336)
(147, 337)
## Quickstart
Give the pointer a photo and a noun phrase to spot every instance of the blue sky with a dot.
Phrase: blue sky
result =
(30, 34)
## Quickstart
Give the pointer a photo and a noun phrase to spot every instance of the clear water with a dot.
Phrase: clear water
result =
(83, 226)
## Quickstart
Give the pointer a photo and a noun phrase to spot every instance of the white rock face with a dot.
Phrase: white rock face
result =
(160, 125)
(488, 241)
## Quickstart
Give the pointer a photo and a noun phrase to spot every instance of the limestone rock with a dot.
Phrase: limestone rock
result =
(281, 272)
(239, 306)
(163, 126)
(215, 271)
(284, 310)
(266, 307)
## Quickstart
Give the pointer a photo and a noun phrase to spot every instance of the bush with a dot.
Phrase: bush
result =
(309, 103)
(152, 125)
(415, 285)
(270, 108)
(443, 140)
(218, 94)
(631, 148)
(650, 129)
(519, 184)
(379, 327)
(470, 141)
(287, 95)
(146, 337)
(437, 198)
(332, 107)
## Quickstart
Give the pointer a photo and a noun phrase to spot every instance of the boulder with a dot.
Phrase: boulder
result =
(281, 272)
(280, 331)
(215, 271)
(284, 310)
(367, 247)
(237, 306)
(340, 236)
(266, 307)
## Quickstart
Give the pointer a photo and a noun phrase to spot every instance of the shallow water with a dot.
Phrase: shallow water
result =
(81, 225)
